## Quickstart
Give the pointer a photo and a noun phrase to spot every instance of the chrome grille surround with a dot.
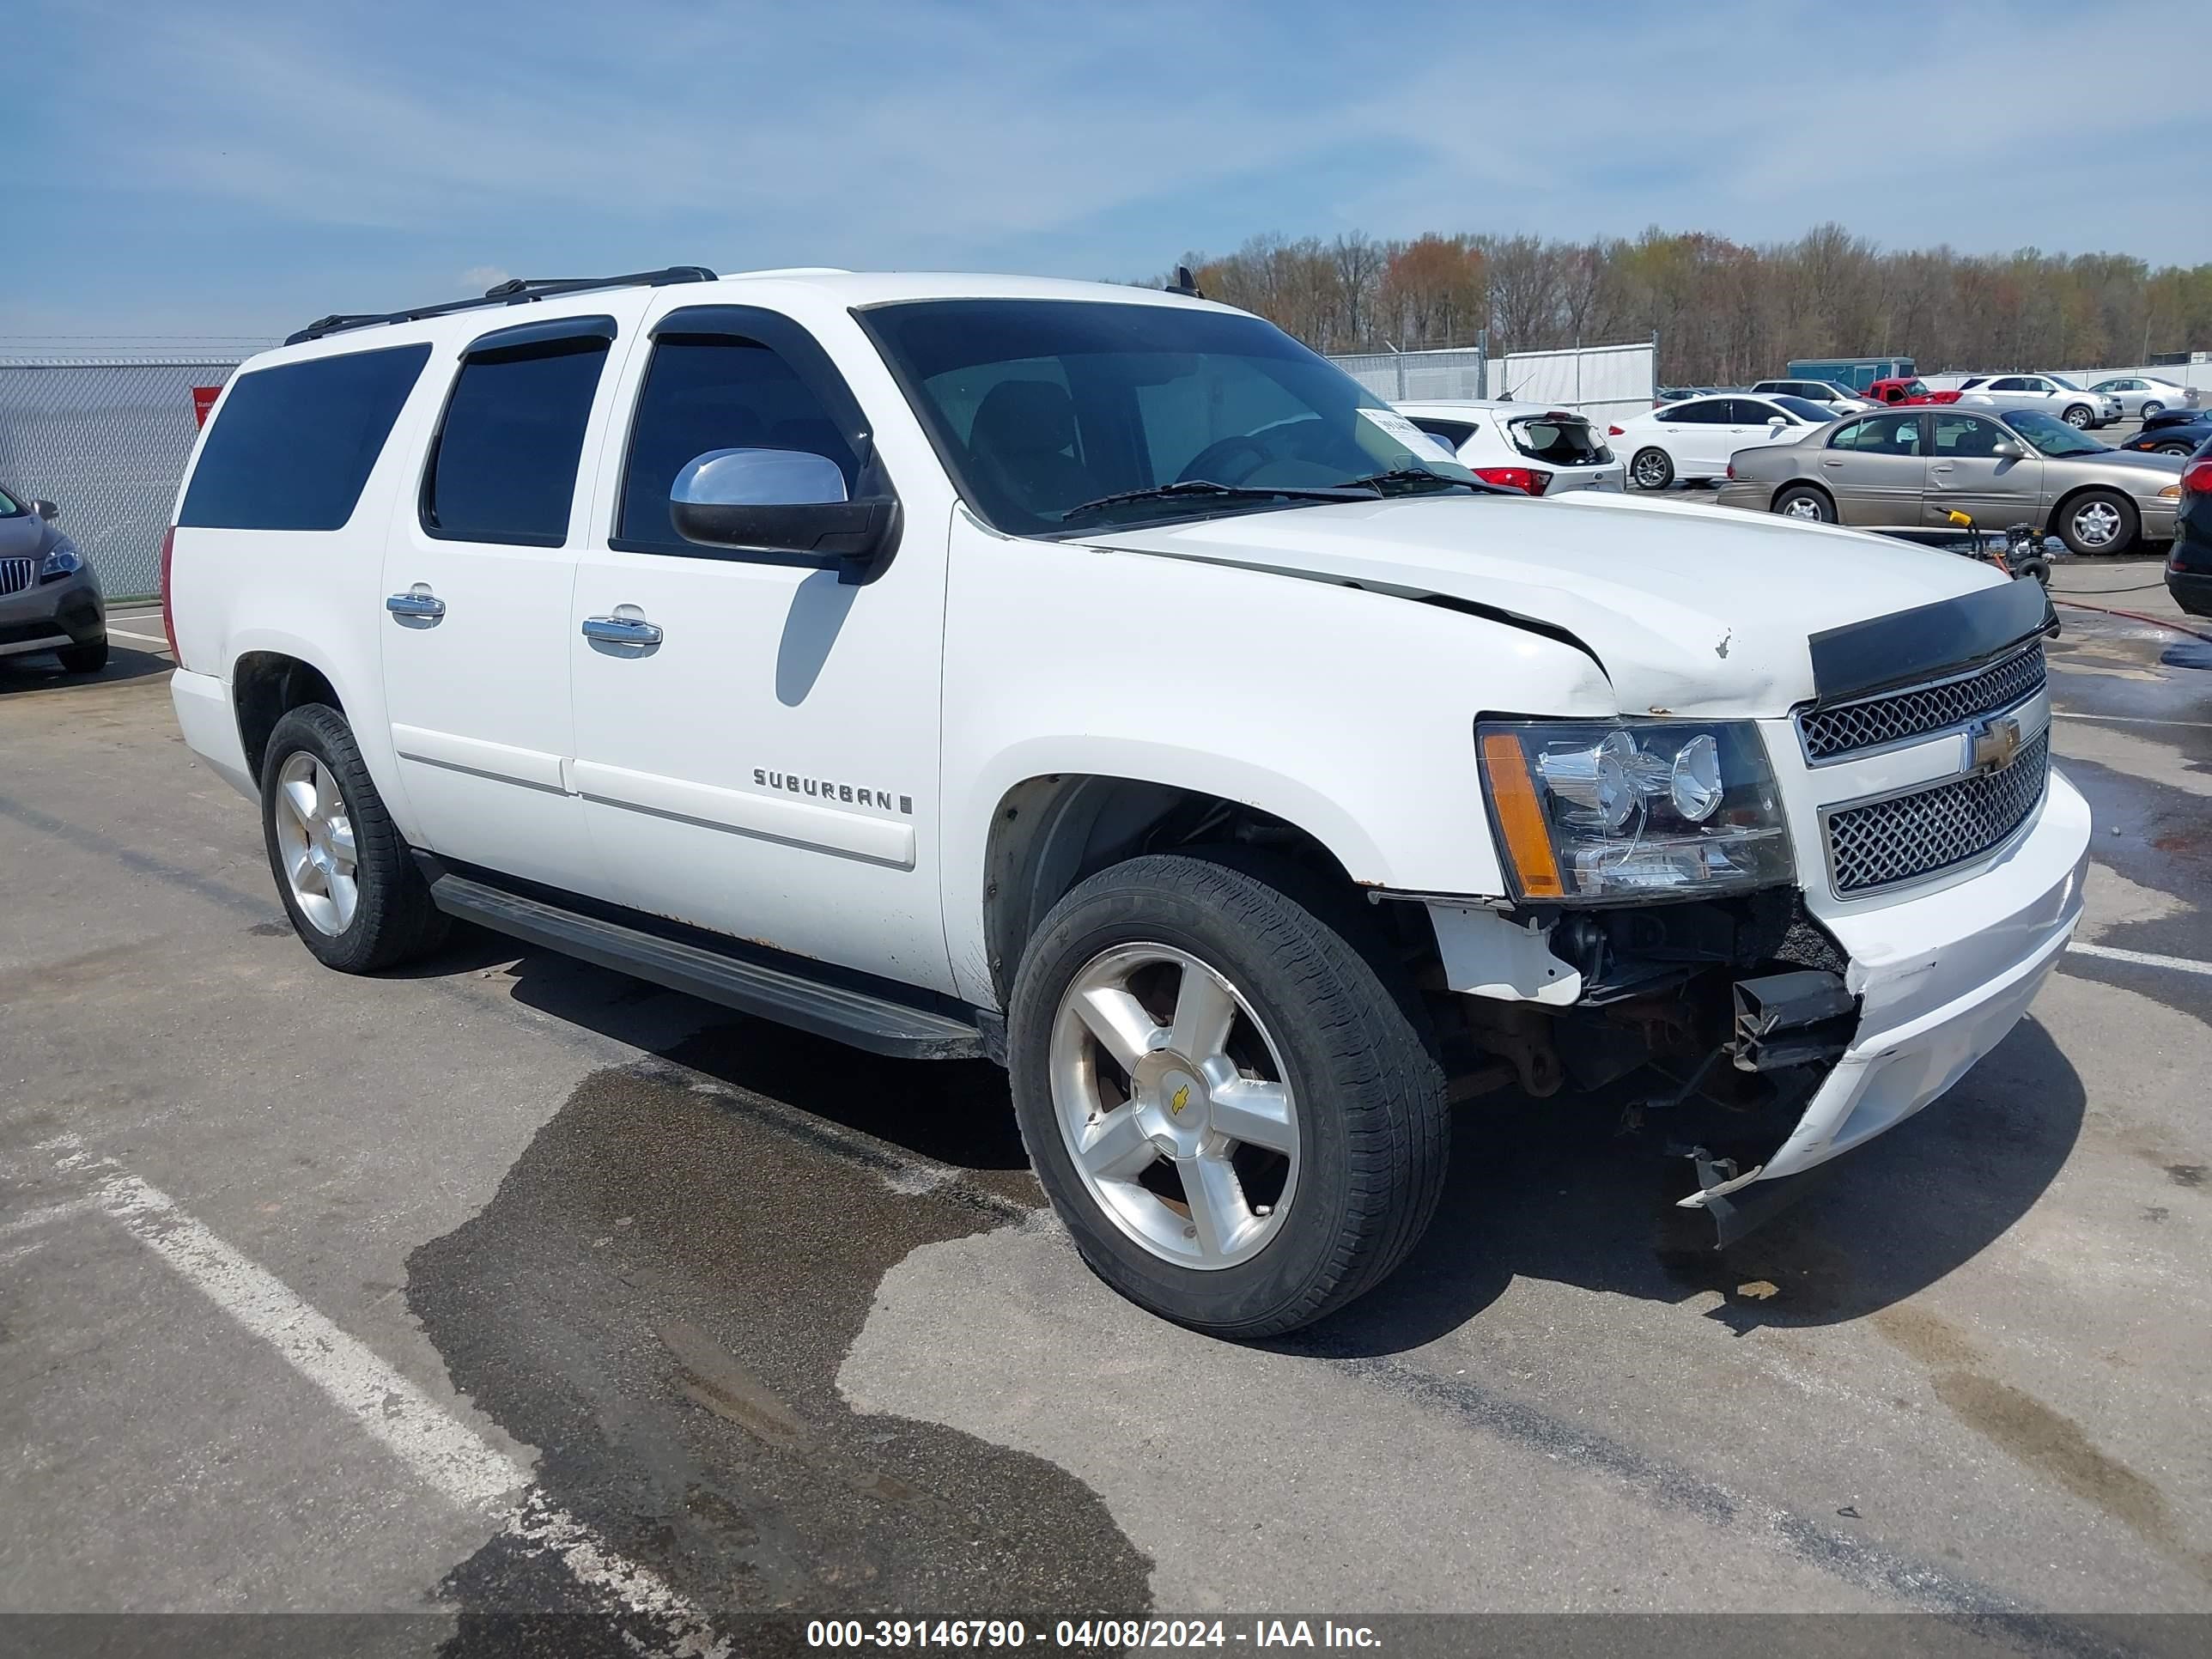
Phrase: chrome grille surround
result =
(1844, 730)
(1874, 845)
(18, 575)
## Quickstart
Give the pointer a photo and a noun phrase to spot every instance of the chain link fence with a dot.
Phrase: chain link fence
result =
(1413, 376)
(106, 439)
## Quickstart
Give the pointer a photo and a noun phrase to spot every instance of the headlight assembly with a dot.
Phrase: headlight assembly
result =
(1587, 813)
(62, 560)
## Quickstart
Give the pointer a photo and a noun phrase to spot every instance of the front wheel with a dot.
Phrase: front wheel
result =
(1652, 469)
(1803, 501)
(2182, 450)
(87, 658)
(2098, 521)
(1229, 1103)
(2079, 416)
(353, 890)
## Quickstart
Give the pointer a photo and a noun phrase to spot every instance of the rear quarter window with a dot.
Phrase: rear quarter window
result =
(292, 446)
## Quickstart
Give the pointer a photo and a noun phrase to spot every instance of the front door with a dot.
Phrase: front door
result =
(1966, 474)
(1875, 469)
(477, 577)
(756, 739)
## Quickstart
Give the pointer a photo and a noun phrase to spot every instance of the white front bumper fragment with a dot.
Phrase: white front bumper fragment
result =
(1942, 980)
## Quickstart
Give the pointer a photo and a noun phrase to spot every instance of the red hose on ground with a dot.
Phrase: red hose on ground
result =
(2136, 615)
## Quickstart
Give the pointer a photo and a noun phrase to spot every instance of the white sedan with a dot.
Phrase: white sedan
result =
(1527, 446)
(2141, 396)
(2078, 406)
(1691, 441)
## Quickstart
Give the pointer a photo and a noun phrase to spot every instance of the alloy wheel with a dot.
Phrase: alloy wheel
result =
(1650, 471)
(1174, 1105)
(314, 838)
(1802, 507)
(2077, 417)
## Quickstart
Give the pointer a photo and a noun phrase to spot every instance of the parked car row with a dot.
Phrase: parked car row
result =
(1524, 446)
(1911, 469)
(1691, 441)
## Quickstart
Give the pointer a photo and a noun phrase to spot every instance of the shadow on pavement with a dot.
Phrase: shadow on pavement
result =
(39, 672)
(1544, 1189)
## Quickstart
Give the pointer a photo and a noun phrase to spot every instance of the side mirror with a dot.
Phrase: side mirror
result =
(1775, 423)
(46, 510)
(782, 501)
(2006, 450)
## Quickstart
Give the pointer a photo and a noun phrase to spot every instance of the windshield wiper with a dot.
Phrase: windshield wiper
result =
(1361, 490)
(1376, 481)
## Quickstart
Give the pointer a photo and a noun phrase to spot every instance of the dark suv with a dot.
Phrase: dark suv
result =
(50, 599)
(2189, 567)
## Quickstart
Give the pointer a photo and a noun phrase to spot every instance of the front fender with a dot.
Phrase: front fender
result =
(1347, 713)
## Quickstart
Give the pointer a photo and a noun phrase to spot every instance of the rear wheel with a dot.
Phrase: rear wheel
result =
(1652, 469)
(1804, 501)
(1231, 1106)
(2079, 416)
(2149, 410)
(352, 889)
(87, 658)
(2098, 521)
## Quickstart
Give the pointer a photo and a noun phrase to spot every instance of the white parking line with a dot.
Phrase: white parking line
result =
(150, 639)
(444, 1452)
(2142, 958)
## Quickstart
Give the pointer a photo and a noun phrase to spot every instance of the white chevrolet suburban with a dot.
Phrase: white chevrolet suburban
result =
(1096, 680)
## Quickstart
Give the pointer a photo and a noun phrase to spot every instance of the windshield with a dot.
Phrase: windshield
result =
(1041, 410)
(2061, 380)
(1806, 409)
(2051, 435)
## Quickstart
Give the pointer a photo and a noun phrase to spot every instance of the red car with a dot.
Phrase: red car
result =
(1914, 390)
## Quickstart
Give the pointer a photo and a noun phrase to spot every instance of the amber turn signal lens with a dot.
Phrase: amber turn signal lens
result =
(1521, 816)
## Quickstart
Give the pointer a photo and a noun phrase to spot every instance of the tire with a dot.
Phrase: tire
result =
(2034, 565)
(1651, 468)
(2182, 450)
(1804, 501)
(87, 658)
(2094, 510)
(2079, 417)
(1332, 1026)
(389, 918)
(2149, 410)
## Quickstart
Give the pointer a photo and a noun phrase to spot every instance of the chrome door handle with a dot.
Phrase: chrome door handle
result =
(620, 629)
(418, 602)
(1828, 463)
(1941, 466)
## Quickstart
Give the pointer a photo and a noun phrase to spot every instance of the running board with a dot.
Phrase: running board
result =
(844, 1014)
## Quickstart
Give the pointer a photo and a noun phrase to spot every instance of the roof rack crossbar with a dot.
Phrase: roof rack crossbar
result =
(515, 291)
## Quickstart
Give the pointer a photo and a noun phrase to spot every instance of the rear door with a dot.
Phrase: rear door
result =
(479, 569)
(1876, 469)
(1966, 474)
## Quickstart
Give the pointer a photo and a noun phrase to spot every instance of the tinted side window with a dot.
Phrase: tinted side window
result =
(1454, 433)
(708, 393)
(2007, 383)
(294, 444)
(1963, 435)
(1881, 434)
(1713, 411)
(503, 465)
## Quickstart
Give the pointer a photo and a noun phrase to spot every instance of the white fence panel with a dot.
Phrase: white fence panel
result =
(1412, 376)
(1603, 382)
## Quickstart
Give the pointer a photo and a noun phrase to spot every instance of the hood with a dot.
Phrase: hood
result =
(1688, 610)
(21, 536)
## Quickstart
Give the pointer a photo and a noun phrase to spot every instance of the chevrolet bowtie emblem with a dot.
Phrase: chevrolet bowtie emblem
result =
(1992, 743)
(1181, 1099)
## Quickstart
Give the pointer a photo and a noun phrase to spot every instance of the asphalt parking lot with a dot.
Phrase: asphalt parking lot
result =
(507, 1285)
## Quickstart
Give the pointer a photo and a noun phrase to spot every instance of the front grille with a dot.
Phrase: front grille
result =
(16, 574)
(1847, 728)
(1887, 842)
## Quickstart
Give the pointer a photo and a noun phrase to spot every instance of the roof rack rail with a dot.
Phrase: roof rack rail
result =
(516, 290)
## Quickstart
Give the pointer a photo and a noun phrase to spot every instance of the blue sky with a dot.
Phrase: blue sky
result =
(193, 168)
